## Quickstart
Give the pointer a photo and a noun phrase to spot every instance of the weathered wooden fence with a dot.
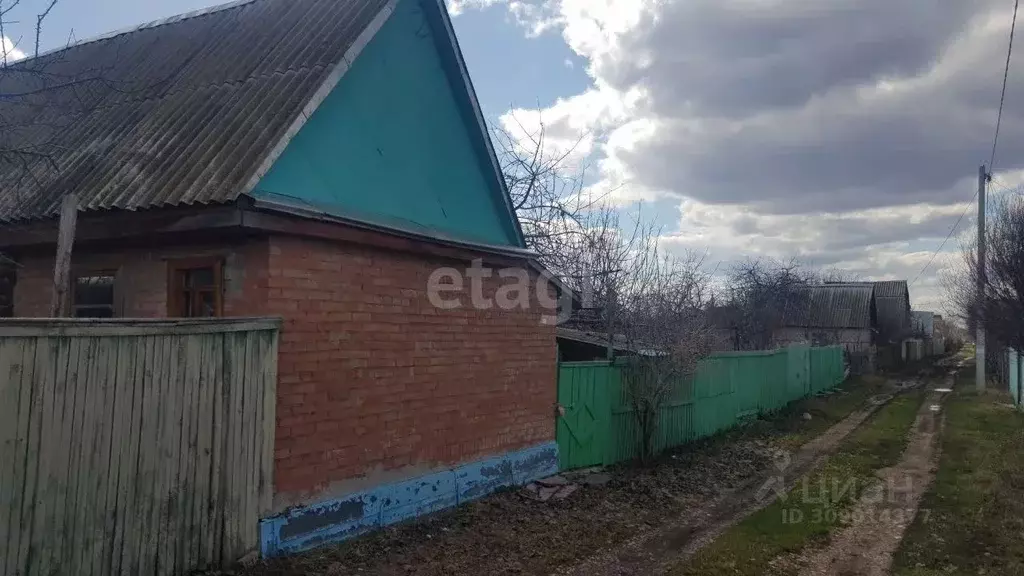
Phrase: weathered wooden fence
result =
(596, 424)
(134, 447)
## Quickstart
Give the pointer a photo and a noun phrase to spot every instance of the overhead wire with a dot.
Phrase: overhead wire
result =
(1002, 94)
(995, 143)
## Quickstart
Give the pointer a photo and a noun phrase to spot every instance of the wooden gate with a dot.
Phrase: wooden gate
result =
(583, 413)
(799, 370)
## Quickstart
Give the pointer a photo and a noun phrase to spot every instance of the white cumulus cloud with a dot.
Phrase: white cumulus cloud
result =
(847, 132)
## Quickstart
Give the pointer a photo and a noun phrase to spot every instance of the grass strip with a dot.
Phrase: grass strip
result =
(825, 411)
(971, 520)
(815, 507)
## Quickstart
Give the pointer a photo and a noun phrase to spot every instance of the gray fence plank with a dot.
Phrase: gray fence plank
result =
(142, 551)
(64, 405)
(215, 508)
(124, 438)
(83, 375)
(96, 520)
(171, 464)
(39, 436)
(269, 383)
(20, 504)
(11, 353)
(191, 349)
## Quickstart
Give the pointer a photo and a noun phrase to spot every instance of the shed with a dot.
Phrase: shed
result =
(835, 314)
(892, 298)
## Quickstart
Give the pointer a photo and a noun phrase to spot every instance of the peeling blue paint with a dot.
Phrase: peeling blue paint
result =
(305, 527)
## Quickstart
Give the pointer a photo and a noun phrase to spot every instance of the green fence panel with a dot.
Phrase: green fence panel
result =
(584, 413)
(827, 368)
(799, 361)
(596, 424)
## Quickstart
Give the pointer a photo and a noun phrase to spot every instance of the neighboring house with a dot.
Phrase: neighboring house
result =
(923, 329)
(922, 324)
(893, 321)
(892, 297)
(315, 160)
(836, 314)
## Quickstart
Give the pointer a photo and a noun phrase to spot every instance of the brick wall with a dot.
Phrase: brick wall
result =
(141, 278)
(376, 383)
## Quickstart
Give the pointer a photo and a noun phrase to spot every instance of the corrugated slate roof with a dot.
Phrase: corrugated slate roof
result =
(176, 112)
(892, 299)
(841, 306)
(891, 289)
(836, 306)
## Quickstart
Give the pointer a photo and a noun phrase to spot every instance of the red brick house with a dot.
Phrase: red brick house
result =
(317, 160)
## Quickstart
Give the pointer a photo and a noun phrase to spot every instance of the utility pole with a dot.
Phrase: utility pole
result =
(979, 370)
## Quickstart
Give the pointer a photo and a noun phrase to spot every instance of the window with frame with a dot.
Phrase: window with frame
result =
(195, 288)
(93, 295)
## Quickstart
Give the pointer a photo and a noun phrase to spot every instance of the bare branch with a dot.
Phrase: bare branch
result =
(1000, 303)
(39, 23)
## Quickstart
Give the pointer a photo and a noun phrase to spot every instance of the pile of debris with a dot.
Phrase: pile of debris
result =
(558, 487)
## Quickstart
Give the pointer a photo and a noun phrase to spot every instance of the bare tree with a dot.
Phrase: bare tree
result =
(664, 321)
(548, 194)
(652, 305)
(767, 293)
(999, 306)
(644, 301)
(953, 337)
(834, 275)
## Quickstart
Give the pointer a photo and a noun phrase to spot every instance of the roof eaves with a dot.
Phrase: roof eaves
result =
(305, 210)
(329, 83)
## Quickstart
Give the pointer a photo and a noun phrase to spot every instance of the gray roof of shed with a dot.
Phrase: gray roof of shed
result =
(836, 306)
(891, 289)
(892, 298)
(175, 112)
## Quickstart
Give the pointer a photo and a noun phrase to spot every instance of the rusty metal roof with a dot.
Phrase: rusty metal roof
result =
(175, 112)
(836, 306)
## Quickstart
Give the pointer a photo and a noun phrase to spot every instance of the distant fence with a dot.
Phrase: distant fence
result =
(134, 447)
(597, 427)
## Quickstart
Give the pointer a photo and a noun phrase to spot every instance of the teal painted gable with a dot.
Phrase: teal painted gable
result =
(391, 146)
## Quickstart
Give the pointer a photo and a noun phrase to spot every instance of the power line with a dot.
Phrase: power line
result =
(948, 236)
(995, 142)
(1002, 95)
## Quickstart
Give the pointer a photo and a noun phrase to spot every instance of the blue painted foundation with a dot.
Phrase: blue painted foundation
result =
(306, 527)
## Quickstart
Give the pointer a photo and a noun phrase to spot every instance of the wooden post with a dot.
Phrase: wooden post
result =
(59, 306)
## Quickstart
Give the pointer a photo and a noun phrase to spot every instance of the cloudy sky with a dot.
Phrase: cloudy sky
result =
(847, 133)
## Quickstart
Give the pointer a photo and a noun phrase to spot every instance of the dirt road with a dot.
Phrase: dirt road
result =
(884, 511)
(653, 552)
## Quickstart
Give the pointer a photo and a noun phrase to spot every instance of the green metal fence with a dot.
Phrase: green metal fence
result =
(597, 427)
